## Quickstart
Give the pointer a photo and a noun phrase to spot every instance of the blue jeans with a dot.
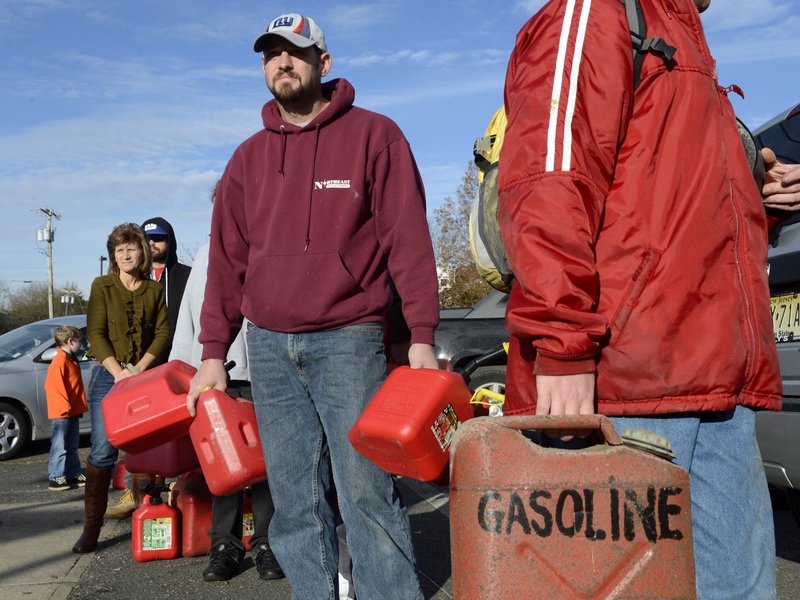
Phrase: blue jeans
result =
(309, 389)
(102, 454)
(64, 460)
(732, 526)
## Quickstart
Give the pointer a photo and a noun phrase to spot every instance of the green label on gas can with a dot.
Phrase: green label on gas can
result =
(157, 533)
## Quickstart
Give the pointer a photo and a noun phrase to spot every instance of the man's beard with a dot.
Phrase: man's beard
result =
(159, 256)
(286, 94)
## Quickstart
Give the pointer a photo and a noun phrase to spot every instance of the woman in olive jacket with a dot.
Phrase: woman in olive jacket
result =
(127, 325)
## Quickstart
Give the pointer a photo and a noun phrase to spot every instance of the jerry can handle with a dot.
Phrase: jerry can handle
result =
(545, 422)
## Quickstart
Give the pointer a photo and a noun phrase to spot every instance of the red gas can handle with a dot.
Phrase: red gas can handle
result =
(545, 422)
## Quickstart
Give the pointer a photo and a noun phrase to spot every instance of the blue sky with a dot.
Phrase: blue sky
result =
(121, 111)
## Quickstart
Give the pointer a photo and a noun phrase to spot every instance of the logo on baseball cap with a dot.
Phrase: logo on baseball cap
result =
(296, 29)
(153, 229)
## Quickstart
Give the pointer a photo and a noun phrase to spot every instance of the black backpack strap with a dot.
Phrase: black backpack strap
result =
(641, 43)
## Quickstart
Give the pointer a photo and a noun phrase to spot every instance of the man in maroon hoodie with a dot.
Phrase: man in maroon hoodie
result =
(316, 215)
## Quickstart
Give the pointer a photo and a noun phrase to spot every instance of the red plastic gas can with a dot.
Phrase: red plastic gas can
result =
(192, 498)
(149, 409)
(607, 521)
(155, 528)
(225, 437)
(247, 519)
(407, 427)
(118, 480)
(168, 460)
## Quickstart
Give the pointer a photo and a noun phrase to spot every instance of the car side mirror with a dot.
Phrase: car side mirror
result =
(48, 355)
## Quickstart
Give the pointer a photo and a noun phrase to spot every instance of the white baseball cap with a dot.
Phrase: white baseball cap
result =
(296, 29)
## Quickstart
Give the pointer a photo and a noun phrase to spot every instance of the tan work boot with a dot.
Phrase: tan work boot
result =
(124, 507)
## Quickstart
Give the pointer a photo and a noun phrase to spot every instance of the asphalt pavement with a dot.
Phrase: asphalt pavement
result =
(39, 527)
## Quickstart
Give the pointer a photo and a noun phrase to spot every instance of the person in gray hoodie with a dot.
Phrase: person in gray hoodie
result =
(227, 549)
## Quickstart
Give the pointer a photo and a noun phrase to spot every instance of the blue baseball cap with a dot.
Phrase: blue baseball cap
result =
(154, 229)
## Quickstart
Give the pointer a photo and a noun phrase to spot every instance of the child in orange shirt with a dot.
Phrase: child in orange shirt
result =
(66, 402)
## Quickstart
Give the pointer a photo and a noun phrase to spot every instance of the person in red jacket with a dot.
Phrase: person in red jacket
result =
(66, 402)
(315, 217)
(638, 241)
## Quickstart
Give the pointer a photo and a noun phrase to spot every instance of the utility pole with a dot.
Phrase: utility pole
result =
(102, 260)
(47, 234)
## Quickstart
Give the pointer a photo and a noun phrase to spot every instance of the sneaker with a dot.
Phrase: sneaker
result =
(223, 564)
(124, 508)
(58, 484)
(79, 480)
(266, 563)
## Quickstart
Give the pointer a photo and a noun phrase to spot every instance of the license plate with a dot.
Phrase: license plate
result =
(786, 317)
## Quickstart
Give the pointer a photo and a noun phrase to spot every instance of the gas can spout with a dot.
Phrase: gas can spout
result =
(479, 361)
(154, 491)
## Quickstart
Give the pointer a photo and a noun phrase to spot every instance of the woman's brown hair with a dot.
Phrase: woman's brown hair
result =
(129, 233)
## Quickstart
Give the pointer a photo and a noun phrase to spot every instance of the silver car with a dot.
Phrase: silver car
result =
(779, 432)
(25, 355)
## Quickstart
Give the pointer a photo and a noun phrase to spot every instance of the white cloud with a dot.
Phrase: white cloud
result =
(769, 43)
(748, 15)
(348, 19)
(428, 59)
(135, 138)
(529, 7)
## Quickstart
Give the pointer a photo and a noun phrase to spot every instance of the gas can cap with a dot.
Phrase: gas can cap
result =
(648, 441)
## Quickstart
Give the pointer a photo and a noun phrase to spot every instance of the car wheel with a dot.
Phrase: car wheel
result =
(14, 431)
(794, 503)
(491, 378)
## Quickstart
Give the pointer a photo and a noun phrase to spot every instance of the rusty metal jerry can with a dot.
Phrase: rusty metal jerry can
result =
(606, 521)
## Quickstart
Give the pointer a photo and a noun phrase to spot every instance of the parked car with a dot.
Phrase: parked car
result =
(467, 333)
(25, 355)
(779, 432)
(782, 135)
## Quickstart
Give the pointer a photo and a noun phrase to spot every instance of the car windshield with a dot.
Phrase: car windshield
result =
(21, 341)
(29, 337)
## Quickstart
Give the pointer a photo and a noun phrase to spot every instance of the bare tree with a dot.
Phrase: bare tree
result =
(459, 281)
(69, 300)
(5, 290)
(29, 303)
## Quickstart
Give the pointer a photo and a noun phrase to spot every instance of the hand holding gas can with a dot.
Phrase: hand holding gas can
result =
(565, 395)
(211, 374)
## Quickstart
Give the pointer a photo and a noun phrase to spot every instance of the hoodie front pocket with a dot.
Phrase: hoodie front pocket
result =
(302, 292)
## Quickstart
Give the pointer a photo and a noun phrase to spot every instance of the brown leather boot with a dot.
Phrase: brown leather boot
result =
(138, 478)
(95, 501)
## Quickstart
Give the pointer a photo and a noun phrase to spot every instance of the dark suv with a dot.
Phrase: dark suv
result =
(779, 432)
(465, 334)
